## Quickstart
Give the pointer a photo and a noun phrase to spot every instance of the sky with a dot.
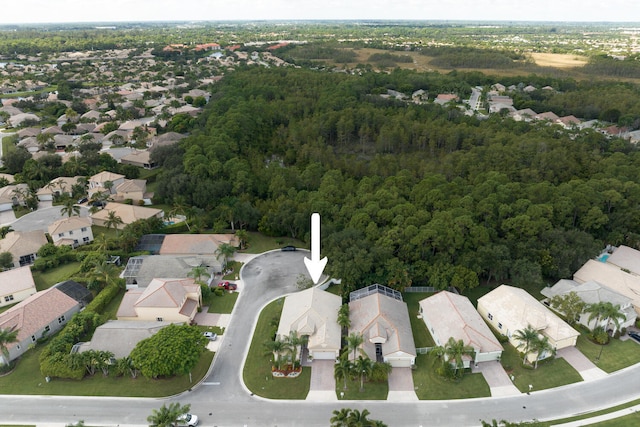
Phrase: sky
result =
(46, 11)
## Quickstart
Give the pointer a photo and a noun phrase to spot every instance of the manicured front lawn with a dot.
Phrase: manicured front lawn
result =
(372, 390)
(223, 304)
(626, 421)
(26, 379)
(258, 243)
(257, 369)
(48, 278)
(615, 355)
(421, 335)
(550, 373)
(431, 386)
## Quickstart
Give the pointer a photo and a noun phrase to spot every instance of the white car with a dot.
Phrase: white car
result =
(188, 420)
(211, 335)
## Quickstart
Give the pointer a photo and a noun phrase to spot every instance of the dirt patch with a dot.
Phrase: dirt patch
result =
(558, 60)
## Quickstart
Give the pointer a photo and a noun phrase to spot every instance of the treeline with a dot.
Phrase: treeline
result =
(408, 194)
(604, 65)
(466, 57)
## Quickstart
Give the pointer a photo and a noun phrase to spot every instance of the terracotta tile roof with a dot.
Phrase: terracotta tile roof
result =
(164, 293)
(33, 314)
(127, 213)
(195, 243)
(105, 176)
(21, 243)
(16, 280)
(68, 224)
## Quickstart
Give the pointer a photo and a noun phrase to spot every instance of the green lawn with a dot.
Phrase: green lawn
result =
(421, 335)
(223, 304)
(431, 386)
(48, 278)
(26, 379)
(257, 369)
(235, 267)
(615, 355)
(549, 374)
(631, 420)
(372, 390)
(258, 243)
(112, 308)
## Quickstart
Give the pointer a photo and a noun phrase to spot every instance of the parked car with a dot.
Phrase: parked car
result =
(288, 248)
(82, 200)
(228, 286)
(188, 420)
(211, 335)
(99, 204)
(635, 336)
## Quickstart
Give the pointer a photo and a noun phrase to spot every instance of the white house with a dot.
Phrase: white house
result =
(16, 285)
(73, 231)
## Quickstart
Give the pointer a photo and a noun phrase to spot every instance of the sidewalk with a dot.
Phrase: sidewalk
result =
(600, 418)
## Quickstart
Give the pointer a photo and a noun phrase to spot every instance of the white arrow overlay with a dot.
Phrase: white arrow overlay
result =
(315, 265)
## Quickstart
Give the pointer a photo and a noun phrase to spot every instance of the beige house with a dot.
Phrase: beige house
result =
(57, 187)
(127, 213)
(164, 300)
(197, 245)
(10, 196)
(23, 245)
(120, 337)
(611, 276)
(43, 313)
(383, 320)
(16, 285)
(97, 182)
(140, 158)
(73, 231)
(626, 258)
(134, 190)
(447, 315)
(509, 309)
(313, 313)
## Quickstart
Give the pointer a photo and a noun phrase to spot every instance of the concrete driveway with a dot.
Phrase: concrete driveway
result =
(499, 382)
(42, 218)
(401, 388)
(323, 383)
(587, 370)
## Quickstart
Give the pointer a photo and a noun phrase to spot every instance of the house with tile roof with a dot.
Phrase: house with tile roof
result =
(57, 187)
(384, 324)
(448, 315)
(127, 213)
(508, 309)
(625, 258)
(313, 313)
(134, 190)
(23, 245)
(41, 314)
(592, 292)
(120, 337)
(73, 231)
(139, 158)
(10, 197)
(16, 285)
(164, 300)
(196, 244)
(97, 181)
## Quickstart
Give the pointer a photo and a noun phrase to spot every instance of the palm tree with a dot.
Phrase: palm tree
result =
(243, 238)
(105, 272)
(277, 347)
(527, 338)
(198, 272)
(70, 208)
(353, 342)
(113, 220)
(342, 369)
(295, 341)
(343, 318)
(7, 336)
(541, 346)
(184, 210)
(454, 350)
(364, 367)
(359, 419)
(4, 231)
(167, 416)
(340, 418)
(101, 243)
(225, 250)
(605, 311)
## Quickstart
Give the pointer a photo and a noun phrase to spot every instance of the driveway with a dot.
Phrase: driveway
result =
(401, 388)
(42, 218)
(587, 370)
(323, 383)
(498, 380)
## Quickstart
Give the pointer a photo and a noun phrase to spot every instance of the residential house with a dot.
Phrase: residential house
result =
(509, 309)
(139, 158)
(568, 122)
(592, 293)
(134, 190)
(445, 98)
(23, 245)
(313, 313)
(447, 315)
(10, 196)
(525, 115)
(611, 276)
(57, 187)
(549, 115)
(168, 300)
(127, 213)
(625, 258)
(73, 231)
(41, 314)
(98, 182)
(16, 285)
(76, 291)
(22, 118)
(196, 244)
(382, 318)
(141, 270)
(120, 337)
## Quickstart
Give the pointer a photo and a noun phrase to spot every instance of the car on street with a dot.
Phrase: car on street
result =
(635, 336)
(289, 248)
(211, 335)
(82, 200)
(187, 420)
(228, 286)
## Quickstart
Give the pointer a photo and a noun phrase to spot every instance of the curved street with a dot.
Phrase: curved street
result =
(222, 400)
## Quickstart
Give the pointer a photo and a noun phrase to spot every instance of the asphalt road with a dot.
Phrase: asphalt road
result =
(221, 399)
(42, 218)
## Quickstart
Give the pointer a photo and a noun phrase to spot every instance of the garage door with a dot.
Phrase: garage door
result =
(399, 363)
(324, 355)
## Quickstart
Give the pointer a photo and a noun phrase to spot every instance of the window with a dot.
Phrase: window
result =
(159, 319)
(61, 319)
(85, 239)
(71, 233)
(27, 259)
(18, 346)
(499, 325)
(47, 328)
(75, 241)
(33, 338)
(60, 234)
(83, 229)
(490, 316)
(8, 298)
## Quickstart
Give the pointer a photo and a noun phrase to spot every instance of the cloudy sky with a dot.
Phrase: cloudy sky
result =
(36, 11)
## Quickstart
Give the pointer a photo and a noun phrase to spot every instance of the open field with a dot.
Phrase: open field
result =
(558, 60)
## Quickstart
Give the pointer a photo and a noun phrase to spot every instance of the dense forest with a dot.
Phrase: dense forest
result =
(408, 194)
